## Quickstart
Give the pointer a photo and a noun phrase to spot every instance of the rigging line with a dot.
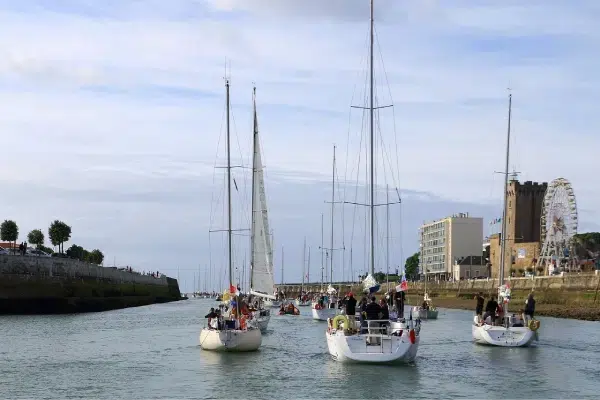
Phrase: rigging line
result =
(241, 196)
(358, 163)
(215, 166)
(344, 194)
(392, 101)
(363, 60)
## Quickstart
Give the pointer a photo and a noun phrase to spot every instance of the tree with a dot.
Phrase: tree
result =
(411, 267)
(587, 245)
(75, 252)
(96, 256)
(59, 233)
(379, 277)
(36, 237)
(9, 231)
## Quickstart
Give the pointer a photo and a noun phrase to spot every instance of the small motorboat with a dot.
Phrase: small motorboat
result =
(426, 310)
(290, 309)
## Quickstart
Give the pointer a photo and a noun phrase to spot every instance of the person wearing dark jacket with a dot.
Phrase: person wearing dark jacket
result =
(373, 311)
(479, 306)
(529, 309)
(212, 314)
(490, 309)
(351, 305)
(400, 297)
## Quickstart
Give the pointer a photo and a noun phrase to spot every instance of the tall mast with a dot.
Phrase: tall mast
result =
(254, 149)
(322, 253)
(308, 268)
(503, 233)
(372, 183)
(229, 235)
(387, 236)
(332, 208)
(282, 265)
(303, 263)
(351, 267)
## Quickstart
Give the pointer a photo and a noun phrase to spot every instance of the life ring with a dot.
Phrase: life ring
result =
(341, 319)
(412, 336)
(534, 325)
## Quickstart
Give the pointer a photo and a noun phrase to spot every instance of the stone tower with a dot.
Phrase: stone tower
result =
(524, 211)
(523, 215)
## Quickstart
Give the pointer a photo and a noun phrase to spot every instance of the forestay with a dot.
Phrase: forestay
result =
(262, 281)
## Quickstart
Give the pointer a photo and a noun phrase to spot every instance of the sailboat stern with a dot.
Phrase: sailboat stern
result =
(356, 349)
(502, 336)
(230, 340)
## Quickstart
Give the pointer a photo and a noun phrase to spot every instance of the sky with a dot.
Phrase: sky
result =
(113, 119)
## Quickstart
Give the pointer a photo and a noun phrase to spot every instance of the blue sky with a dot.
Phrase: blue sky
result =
(112, 114)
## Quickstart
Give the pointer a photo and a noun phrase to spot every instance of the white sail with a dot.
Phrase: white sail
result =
(262, 281)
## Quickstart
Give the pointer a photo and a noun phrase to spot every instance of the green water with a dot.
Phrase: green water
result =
(152, 352)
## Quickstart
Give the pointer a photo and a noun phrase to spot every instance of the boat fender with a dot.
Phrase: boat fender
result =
(412, 336)
(341, 319)
(534, 325)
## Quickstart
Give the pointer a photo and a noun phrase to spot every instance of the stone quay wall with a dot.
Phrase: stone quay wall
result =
(48, 285)
(567, 282)
(51, 267)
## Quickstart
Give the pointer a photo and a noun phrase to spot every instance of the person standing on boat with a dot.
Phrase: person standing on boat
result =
(351, 305)
(479, 306)
(212, 314)
(490, 310)
(373, 311)
(400, 298)
(529, 309)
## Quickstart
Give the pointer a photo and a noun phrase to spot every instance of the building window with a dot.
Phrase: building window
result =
(509, 203)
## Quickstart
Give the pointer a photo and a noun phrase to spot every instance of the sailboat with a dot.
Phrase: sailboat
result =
(380, 341)
(510, 332)
(261, 251)
(232, 334)
(302, 300)
(429, 312)
(323, 310)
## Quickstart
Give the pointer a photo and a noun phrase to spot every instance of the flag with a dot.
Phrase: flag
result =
(403, 286)
(234, 290)
(374, 289)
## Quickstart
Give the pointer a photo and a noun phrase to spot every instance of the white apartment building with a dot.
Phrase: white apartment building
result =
(447, 240)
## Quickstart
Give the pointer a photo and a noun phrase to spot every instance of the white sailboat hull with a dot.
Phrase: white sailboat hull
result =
(422, 313)
(354, 348)
(302, 303)
(230, 340)
(324, 313)
(502, 336)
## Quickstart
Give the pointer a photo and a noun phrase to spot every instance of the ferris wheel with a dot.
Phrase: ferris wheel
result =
(558, 223)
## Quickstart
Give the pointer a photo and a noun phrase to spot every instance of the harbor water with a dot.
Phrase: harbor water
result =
(152, 352)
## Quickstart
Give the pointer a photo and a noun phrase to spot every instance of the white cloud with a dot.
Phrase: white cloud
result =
(125, 97)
